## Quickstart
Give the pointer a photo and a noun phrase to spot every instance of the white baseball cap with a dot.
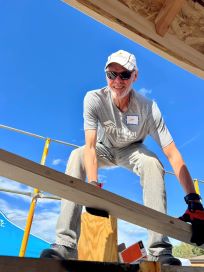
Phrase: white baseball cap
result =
(124, 58)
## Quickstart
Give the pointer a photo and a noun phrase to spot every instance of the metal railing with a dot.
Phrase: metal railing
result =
(36, 193)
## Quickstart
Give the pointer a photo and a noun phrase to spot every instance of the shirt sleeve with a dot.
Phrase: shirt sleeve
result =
(157, 127)
(90, 113)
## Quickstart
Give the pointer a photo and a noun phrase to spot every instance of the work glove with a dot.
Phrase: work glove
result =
(94, 211)
(195, 215)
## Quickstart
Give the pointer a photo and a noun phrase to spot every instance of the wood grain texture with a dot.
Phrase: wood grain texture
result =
(132, 25)
(167, 14)
(98, 239)
(46, 179)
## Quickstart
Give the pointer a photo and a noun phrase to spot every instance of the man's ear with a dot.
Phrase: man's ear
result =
(135, 76)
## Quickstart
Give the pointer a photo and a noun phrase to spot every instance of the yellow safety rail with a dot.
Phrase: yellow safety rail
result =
(33, 205)
(196, 186)
(36, 192)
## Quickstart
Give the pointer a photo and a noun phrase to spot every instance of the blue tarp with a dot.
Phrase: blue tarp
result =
(11, 237)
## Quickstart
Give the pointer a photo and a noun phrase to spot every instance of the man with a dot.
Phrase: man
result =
(116, 121)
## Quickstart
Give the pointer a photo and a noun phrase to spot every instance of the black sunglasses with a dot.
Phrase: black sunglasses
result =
(123, 75)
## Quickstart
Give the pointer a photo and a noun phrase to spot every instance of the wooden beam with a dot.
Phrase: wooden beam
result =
(33, 174)
(167, 14)
(16, 264)
(135, 27)
(98, 239)
(171, 268)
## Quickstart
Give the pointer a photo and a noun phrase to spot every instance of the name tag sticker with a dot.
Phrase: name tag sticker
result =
(132, 119)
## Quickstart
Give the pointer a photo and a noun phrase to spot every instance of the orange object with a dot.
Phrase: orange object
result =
(133, 254)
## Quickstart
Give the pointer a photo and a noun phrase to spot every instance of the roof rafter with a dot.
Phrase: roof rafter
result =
(167, 14)
(131, 24)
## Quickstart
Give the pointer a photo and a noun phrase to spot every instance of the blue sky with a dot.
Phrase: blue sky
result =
(50, 56)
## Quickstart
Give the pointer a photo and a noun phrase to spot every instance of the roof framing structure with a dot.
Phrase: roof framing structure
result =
(166, 15)
(131, 19)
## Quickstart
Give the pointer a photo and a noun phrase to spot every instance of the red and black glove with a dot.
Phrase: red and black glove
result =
(195, 215)
(94, 211)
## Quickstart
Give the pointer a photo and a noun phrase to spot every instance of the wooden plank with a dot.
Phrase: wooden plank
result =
(33, 174)
(135, 27)
(172, 268)
(17, 264)
(98, 239)
(21, 264)
(150, 267)
(167, 14)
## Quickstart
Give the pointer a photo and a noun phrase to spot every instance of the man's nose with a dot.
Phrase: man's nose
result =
(118, 78)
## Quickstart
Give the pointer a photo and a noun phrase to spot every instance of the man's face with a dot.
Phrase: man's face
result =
(120, 88)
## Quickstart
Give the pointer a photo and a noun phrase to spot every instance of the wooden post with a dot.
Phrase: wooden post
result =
(98, 239)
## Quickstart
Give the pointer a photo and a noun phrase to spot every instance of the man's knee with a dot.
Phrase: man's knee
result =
(75, 161)
(152, 162)
(77, 154)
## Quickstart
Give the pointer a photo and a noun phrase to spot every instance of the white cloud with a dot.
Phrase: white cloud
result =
(46, 212)
(129, 233)
(145, 91)
(44, 221)
(13, 185)
(44, 224)
(58, 161)
(17, 216)
(102, 178)
(7, 184)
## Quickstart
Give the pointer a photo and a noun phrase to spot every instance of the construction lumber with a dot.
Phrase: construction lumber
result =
(46, 179)
(167, 14)
(172, 268)
(16, 264)
(131, 24)
(98, 239)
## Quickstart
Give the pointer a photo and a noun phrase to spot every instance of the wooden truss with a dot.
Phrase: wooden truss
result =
(182, 45)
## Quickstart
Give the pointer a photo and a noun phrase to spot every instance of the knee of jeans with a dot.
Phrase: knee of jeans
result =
(151, 162)
(77, 153)
(76, 157)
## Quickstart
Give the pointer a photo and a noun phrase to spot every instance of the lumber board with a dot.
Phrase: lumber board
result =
(171, 268)
(98, 239)
(120, 18)
(17, 264)
(20, 169)
(167, 14)
(22, 264)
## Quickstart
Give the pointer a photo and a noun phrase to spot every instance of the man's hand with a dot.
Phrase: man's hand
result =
(94, 211)
(96, 183)
(195, 215)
